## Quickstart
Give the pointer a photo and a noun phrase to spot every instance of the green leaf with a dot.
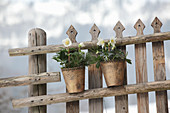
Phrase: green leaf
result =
(129, 61)
(98, 64)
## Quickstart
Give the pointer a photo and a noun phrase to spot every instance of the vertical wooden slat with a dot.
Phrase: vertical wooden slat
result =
(141, 69)
(95, 78)
(72, 33)
(121, 102)
(72, 107)
(159, 68)
(37, 64)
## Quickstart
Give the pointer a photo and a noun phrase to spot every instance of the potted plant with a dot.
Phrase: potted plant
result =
(73, 62)
(112, 61)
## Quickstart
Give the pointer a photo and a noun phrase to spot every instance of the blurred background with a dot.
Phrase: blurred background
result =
(55, 16)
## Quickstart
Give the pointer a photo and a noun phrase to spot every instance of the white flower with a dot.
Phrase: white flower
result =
(81, 44)
(67, 42)
(113, 46)
(100, 42)
(112, 41)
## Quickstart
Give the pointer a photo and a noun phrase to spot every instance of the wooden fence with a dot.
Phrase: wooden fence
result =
(38, 77)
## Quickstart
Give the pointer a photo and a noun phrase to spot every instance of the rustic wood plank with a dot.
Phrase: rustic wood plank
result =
(72, 107)
(72, 33)
(30, 79)
(95, 78)
(159, 68)
(92, 93)
(37, 64)
(141, 69)
(121, 102)
(120, 42)
(94, 31)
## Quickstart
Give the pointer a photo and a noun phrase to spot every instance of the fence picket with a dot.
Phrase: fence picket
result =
(72, 107)
(121, 102)
(159, 68)
(141, 69)
(95, 78)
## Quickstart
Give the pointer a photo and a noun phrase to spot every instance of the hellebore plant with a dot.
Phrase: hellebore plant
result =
(71, 57)
(109, 52)
(73, 62)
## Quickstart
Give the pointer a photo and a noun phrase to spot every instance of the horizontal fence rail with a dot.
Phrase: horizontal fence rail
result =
(119, 42)
(92, 93)
(31, 79)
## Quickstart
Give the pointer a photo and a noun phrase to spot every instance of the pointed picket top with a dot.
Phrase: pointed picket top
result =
(156, 24)
(119, 28)
(72, 33)
(94, 31)
(139, 26)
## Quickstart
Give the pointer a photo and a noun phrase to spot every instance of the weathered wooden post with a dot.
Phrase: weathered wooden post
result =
(37, 64)
(95, 77)
(159, 68)
(121, 102)
(72, 107)
(141, 69)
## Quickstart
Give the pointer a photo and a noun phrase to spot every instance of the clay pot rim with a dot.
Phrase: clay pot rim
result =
(112, 61)
(73, 68)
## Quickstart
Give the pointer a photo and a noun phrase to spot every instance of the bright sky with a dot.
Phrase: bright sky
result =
(54, 15)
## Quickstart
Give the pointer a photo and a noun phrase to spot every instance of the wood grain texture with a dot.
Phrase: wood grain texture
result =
(94, 31)
(37, 64)
(141, 69)
(121, 102)
(120, 42)
(92, 93)
(159, 68)
(95, 78)
(72, 33)
(72, 107)
(30, 79)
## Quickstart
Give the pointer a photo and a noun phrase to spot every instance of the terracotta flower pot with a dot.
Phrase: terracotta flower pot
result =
(74, 79)
(113, 72)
